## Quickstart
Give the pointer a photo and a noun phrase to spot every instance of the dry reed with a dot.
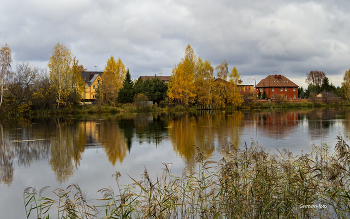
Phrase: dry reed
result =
(247, 183)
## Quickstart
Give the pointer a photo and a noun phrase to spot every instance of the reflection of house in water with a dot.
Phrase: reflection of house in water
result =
(91, 134)
(277, 124)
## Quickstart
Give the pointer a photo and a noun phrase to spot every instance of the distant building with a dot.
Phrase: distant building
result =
(165, 79)
(243, 88)
(92, 80)
(275, 85)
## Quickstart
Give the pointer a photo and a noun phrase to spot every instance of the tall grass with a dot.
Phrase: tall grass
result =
(245, 183)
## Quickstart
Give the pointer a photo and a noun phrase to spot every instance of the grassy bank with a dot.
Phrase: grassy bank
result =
(248, 183)
(130, 108)
(294, 104)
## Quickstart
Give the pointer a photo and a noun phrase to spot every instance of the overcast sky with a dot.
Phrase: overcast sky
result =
(258, 37)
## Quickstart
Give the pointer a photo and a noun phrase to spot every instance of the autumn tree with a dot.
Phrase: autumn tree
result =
(222, 70)
(181, 86)
(203, 81)
(77, 83)
(346, 84)
(5, 71)
(22, 87)
(112, 80)
(60, 71)
(234, 96)
(220, 86)
(315, 78)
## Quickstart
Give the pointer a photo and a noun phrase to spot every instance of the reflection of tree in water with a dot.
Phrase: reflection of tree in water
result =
(128, 127)
(346, 123)
(277, 124)
(32, 142)
(6, 159)
(319, 122)
(149, 128)
(67, 143)
(113, 141)
(187, 131)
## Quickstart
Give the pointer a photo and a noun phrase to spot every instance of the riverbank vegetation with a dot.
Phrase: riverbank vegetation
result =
(35, 91)
(245, 183)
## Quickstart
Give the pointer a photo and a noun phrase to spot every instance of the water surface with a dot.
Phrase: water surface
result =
(61, 151)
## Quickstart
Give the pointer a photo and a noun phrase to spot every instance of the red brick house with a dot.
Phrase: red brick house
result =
(275, 85)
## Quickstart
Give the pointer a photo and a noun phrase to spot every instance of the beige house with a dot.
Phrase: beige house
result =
(92, 80)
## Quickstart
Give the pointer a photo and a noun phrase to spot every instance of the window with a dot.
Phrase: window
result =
(293, 88)
(261, 90)
(285, 89)
(98, 81)
(293, 96)
(93, 96)
(273, 89)
(281, 88)
(93, 87)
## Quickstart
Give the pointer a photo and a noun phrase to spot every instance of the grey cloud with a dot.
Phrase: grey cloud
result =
(258, 37)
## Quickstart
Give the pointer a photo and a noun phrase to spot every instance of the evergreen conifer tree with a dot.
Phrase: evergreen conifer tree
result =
(126, 94)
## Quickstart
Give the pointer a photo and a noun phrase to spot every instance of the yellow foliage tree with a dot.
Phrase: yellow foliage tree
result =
(112, 79)
(222, 70)
(220, 86)
(77, 82)
(218, 93)
(203, 80)
(61, 71)
(5, 66)
(234, 96)
(181, 86)
(346, 83)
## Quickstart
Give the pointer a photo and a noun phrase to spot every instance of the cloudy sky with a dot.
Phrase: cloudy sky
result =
(258, 37)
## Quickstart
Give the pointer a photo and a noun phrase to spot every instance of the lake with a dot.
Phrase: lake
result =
(56, 152)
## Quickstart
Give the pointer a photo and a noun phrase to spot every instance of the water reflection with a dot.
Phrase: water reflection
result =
(6, 159)
(204, 131)
(320, 121)
(61, 142)
(67, 144)
(277, 124)
(112, 140)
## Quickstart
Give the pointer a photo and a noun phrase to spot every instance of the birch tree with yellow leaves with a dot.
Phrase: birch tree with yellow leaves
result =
(220, 86)
(181, 86)
(203, 82)
(346, 84)
(5, 66)
(234, 96)
(60, 71)
(65, 75)
(112, 80)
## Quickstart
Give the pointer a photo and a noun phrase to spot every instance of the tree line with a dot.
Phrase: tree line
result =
(318, 83)
(192, 82)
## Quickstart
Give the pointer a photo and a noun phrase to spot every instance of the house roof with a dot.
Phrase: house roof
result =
(89, 75)
(276, 81)
(162, 78)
